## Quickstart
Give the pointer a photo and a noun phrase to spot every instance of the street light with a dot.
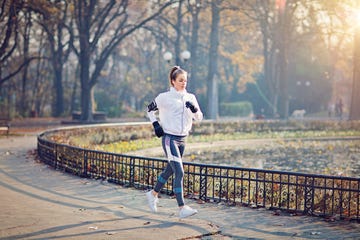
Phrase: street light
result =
(307, 83)
(167, 56)
(185, 55)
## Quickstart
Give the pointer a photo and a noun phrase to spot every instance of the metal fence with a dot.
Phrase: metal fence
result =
(317, 195)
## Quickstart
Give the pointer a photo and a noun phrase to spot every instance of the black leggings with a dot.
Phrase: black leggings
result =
(174, 147)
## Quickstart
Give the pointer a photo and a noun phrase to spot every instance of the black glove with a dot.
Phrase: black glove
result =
(191, 106)
(152, 106)
(159, 132)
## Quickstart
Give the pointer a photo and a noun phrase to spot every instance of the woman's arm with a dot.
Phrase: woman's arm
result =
(152, 108)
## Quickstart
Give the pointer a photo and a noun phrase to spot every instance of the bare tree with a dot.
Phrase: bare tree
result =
(194, 8)
(355, 96)
(9, 24)
(55, 19)
(14, 21)
(275, 25)
(101, 27)
(212, 95)
(217, 6)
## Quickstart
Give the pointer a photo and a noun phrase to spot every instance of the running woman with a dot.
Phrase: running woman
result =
(177, 109)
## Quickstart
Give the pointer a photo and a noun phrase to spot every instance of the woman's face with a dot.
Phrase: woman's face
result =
(180, 82)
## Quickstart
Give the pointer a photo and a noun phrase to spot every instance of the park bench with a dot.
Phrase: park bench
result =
(5, 125)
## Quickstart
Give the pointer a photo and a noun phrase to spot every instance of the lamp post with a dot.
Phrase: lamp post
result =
(184, 55)
(306, 85)
(167, 56)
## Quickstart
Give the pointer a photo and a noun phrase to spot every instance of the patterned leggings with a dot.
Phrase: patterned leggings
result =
(174, 147)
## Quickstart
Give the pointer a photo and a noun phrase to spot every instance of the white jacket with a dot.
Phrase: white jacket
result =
(175, 117)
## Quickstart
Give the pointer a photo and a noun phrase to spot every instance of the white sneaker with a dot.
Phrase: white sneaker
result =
(152, 200)
(187, 211)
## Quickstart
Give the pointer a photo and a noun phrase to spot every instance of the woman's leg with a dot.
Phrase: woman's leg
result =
(164, 176)
(174, 148)
(178, 182)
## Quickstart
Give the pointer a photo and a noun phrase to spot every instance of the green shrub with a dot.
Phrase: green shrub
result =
(236, 109)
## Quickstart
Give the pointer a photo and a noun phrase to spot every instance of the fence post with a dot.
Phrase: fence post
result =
(203, 183)
(132, 172)
(85, 164)
(309, 195)
(55, 160)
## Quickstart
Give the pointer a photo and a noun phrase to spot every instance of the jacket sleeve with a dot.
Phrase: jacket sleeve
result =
(152, 116)
(152, 108)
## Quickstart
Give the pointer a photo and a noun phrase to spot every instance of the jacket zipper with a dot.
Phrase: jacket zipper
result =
(183, 111)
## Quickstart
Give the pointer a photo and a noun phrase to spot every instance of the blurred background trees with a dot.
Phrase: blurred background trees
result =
(269, 57)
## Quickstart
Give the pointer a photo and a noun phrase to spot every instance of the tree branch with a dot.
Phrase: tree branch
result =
(8, 77)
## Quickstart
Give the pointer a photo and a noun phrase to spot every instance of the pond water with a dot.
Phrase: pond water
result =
(316, 157)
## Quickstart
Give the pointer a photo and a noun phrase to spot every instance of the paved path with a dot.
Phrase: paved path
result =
(38, 202)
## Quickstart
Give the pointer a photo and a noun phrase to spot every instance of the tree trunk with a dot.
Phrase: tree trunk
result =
(283, 42)
(193, 48)
(86, 113)
(355, 96)
(269, 52)
(58, 55)
(24, 102)
(58, 105)
(86, 108)
(178, 35)
(74, 106)
(84, 57)
(213, 55)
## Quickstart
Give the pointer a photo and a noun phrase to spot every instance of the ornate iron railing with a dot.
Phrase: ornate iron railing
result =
(316, 195)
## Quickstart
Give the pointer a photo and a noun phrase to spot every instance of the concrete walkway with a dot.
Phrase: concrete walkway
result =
(38, 202)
